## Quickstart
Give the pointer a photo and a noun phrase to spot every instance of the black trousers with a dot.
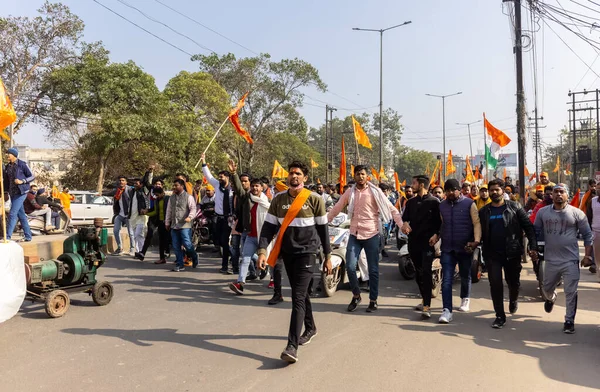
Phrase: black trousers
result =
(299, 271)
(164, 238)
(277, 276)
(222, 233)
(422, 256)
(512, 274)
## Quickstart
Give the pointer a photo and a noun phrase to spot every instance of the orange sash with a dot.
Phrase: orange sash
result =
(289, 217)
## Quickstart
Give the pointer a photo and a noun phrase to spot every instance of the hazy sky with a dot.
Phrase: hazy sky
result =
(451, 46)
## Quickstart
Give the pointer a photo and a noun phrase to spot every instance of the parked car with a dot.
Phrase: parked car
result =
(90, 205)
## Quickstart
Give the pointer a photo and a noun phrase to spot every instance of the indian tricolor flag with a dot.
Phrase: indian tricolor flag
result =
(498, 140)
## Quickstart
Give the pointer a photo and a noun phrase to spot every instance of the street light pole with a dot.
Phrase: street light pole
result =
(444, 126)
(469, 128)
(381, 31)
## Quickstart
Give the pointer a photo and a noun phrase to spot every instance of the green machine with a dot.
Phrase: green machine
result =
(73, 271)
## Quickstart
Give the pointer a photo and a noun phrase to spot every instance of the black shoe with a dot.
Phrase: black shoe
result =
(178, 269)
(262, 274)
(384, 253)
(513, 306)
(372, 307)
(569, 327)
(224, 271)
(277, 298)
(354, 304)
(498, 323)
(290, 354)
(548, 305)
(236, 272)
(593, 268)
(363, 285)
(138, 256)
(252, 277)
(306, 337)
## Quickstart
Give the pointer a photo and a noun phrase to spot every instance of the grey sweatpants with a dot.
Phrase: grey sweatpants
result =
(551, 274)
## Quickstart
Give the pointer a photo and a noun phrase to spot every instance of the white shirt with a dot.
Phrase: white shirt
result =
(218, 194)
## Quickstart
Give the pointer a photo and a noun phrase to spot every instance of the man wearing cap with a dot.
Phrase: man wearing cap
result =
(484, 197)
(543, 181)
(17, 177)
(460, 234)
(559, 225)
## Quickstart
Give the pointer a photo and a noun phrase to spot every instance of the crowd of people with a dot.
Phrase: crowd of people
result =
(261, 228)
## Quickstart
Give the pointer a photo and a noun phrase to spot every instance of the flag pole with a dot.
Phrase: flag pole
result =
(2, 205)
(486, 178)
(212, 140)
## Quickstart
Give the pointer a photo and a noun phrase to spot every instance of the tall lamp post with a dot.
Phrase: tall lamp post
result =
(444, 125)
(469, 128)
(381, 31)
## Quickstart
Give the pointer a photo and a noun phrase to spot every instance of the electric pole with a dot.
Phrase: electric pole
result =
(326, 145)
(537, 141)
(469, 128)
(330, 110)
(444, 128)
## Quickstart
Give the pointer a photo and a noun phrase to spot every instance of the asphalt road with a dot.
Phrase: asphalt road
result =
(167, 331)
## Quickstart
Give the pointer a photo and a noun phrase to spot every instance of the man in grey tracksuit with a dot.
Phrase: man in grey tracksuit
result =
(558, 225)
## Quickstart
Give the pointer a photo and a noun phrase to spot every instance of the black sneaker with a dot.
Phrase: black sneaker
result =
(548, 305)
(569, 327)
(178, 269)
(384, 253)
(363, 285)
(224, 271)
(306, 337)
(236, 272)
(513, 306)
(354, 304)
(252, 277)
(593, 268)
(138, 256)
(262, 274)
(498, 323)
(277, 298)
(372, 307)
(289, 355)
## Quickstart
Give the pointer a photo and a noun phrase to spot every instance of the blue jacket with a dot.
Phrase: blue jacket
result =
(457, 225)
(23, 173)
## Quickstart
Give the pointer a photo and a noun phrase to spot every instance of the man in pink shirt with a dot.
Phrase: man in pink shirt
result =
(368, 209)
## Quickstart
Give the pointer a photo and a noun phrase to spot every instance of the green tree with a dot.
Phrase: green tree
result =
(31, 49)
(410, 162)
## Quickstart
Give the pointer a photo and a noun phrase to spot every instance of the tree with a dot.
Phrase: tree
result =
(32, 48)
(274, 93)
(411, 162)
(115, 104)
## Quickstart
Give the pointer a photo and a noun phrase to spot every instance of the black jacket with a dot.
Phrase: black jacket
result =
(515, 223)
(243, 205)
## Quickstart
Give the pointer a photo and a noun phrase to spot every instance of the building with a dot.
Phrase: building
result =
(48, 165)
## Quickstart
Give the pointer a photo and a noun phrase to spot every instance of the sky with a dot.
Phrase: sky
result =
(450, 46)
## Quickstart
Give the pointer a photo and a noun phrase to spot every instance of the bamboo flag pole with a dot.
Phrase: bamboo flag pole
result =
(212, 140)
(2, 205)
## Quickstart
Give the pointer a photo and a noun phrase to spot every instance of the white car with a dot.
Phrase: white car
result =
(90, 205)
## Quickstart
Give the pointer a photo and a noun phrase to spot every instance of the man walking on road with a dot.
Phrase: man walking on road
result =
(223, 210)
(559, 225)
(503, 223)
(593, 216)
(421, 222)
(137, 218)
(460, 234)
(181, 209)
(368, 210)
(157, 216)
(121, 205)
(17, 178)
(300, 218)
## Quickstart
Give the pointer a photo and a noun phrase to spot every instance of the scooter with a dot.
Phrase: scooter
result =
(37, 224)
(407, 267)
(201, 232)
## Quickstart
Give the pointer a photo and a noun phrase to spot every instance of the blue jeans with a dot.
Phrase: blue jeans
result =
(449, 261)
(249, 249)
(17, 212)
(183, 237)
(371, 247)
(121, 221)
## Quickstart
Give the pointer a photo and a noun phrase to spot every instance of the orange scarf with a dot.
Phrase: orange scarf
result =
(289, 217)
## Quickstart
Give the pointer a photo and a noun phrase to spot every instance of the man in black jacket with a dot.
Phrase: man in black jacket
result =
(503, 223)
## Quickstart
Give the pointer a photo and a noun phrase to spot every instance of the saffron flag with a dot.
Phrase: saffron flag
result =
(477, 174)
(360, 134)
(534, 175)
(557, 167)
(397, 181)
(7, 112)
(450, 168)
(504, 175)
(313, 164)
(382, 175)
(235, 120)
(526, 171)
(279, 171)
(352, 170)
(568, 169)
(403, 183)
(343, 180)
(435, 175)
(575, 201)
(469, 172)
(375, 174)
(427, 169)
(498, 140)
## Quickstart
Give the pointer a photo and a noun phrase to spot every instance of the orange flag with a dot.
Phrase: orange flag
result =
(7, 112)
(477, 174)
(397, 181)
(568, 169)
(360, 134)
(575, 201)
(498, 137)
(375, 174)
(450, 168)
(352, 170)
(235, 120)
(557, 167)
(427, 170)
(527, 172)
(469, 171)
(313, 164)
(343, 180)
(435, 175)
(279, 171)
(504, 174)
(382, 175)
(534, 175)
(403, 183)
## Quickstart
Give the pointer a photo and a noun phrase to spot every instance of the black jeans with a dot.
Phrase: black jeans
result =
(422, 256)
(236, 246)
(148, 239)
(222, 233)
(299, 271)
(277, 276)
(512, 274)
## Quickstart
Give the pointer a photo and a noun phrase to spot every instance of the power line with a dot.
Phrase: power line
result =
(166, 25)
(141, 28)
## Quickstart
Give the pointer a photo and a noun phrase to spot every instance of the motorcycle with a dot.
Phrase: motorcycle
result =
(201, 228)
(407, 267)
(37, 224)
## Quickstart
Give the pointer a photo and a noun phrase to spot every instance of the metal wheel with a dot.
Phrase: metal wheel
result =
(102, 293)
(57, 303)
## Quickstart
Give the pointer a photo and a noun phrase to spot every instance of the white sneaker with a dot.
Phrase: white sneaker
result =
(446, 316)
(464, 305)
